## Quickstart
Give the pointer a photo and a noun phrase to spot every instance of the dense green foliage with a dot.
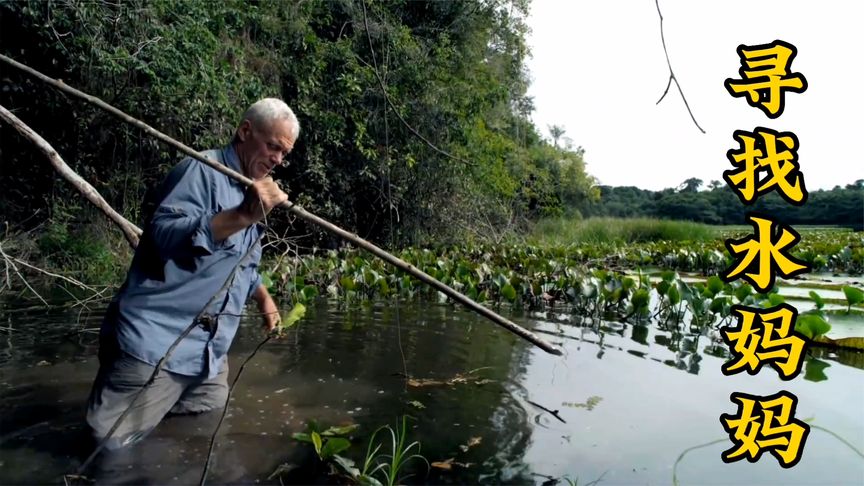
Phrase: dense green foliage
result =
(453, 70)
(719, 205)
(524, 273)
(566, 231)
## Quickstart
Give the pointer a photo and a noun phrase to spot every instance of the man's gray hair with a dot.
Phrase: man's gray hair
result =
(266, 110)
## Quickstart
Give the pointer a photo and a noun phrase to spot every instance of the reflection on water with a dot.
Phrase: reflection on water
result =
(631, 398)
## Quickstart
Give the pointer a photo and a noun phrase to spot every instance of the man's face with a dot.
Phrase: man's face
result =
(261, 148)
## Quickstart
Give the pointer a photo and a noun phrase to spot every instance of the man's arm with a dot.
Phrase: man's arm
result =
(267, 307)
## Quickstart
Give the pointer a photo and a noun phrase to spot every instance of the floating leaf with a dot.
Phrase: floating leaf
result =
(417, 404)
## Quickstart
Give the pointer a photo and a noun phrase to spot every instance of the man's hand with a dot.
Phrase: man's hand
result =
(261, 197)
(269, 312)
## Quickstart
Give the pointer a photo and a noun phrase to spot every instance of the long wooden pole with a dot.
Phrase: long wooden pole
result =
(300, 212)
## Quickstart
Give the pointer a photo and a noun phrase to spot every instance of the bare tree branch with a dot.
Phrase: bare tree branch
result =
(671, 73)
(130, 231)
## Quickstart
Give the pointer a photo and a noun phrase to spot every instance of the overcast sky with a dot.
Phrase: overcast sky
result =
(598, 69)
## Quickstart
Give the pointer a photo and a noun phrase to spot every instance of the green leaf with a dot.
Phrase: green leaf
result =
(628, 283)
(668, 275)
(775, 299)
(854, 296)
(309, 292)
(508, 292)
(811, 325)
(663, 287)
(743, 291)
(817, 299)
(674, 295)
(334, 446)
(291, 318)
(301, 436)
(266, 280)
(347, 283)
(718, 304)
(316, 441)
(640, 298)
(715, 285)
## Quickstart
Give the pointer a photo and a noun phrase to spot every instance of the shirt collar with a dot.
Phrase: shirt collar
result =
(231, 160)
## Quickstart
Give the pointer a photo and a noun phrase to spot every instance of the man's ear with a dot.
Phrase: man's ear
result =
(244, 131)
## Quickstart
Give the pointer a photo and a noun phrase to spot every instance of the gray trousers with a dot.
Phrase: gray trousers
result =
(119, 379)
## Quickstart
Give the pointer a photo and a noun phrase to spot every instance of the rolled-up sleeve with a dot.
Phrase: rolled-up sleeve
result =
(181, 226)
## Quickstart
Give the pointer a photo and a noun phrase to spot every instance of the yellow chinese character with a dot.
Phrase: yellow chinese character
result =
(764, 336)
(764, 155)
(765, 424)
(765, 76)
(772, 257)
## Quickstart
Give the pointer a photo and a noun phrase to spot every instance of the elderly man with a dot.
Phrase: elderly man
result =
(193, 254)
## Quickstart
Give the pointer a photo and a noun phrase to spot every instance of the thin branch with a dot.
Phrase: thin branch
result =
(61, 277)
(671, 73)
(390, 102)
(11, 263)
(130, 231)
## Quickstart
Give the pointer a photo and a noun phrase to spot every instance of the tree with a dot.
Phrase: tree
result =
(556, 132)
(690, 185)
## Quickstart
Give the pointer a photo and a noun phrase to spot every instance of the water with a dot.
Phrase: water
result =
(634, 398)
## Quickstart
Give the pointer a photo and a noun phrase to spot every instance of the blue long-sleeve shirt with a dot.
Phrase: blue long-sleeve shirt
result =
(178, 268)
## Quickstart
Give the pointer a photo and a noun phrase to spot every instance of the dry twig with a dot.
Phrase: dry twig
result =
(671, 73)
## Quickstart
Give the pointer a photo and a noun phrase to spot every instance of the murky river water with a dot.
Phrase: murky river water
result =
(634, 399)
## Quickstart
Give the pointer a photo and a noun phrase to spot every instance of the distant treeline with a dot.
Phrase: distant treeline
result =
(719, 205)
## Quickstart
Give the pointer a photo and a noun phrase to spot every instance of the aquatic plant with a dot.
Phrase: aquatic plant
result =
(389, 466)
(854, 296)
